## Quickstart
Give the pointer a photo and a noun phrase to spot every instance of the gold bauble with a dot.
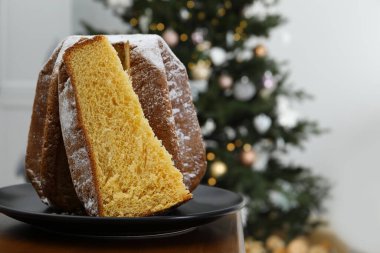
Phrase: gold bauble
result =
(260, 51)
(274, 242)
(218, 168)
(248, 157)
(201, 70)
(298, 245)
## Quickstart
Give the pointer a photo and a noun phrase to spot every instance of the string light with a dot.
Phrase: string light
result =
(237, 37)
(190, 4)
(218, 168)
(221, 12)
(247, 147)
(201, 15)
(214, 21)
(183, 37)
(211, 181)
(160, 26)
(153, 27)
(239, 29)
(210, 156)
(238, 143)
(133, 21)
(243, 24)
(228, 4)
(230, 147)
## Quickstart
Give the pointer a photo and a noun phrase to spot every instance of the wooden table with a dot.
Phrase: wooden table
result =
(224, 235)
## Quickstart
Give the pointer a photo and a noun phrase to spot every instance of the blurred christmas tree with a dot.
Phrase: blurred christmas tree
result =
(243, 104)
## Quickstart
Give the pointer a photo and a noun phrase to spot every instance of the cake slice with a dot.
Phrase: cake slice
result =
(118, 166)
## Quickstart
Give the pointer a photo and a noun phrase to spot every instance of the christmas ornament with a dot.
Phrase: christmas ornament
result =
(184, 14)
(244, 55)
(274, 242)
(247, 158)
(262, 123)
(298, 245)
(225, 81)
(208, 127)
(243, 131)
(197, 36)
(144, 21)
(218, 56)
(230, 133)
(201, 70)
(268, 80)
(197, 86)
(211, 181)
(260, 51)
(210, 156)
(183, 37)
(287, 116)
(279, 200)
(205, 45)
(171, 37)
(244, 90)
(229, 38)
(231, 146)
(218, 168)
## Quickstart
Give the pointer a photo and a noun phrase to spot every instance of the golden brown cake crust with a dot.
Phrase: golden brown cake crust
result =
(36, 130)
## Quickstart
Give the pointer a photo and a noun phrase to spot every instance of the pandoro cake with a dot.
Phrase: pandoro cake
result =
(159, 80)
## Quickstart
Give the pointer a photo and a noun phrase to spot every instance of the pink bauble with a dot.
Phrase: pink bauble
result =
(171, 37)
(225, 81)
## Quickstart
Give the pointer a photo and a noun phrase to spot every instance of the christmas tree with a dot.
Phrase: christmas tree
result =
(243, 102)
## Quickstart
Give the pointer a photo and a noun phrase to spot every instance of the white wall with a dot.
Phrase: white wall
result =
(334, 53)
(29, 31)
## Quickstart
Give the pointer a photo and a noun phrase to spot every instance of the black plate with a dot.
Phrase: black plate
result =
(209, 203)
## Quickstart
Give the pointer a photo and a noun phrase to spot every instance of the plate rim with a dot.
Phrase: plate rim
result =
(156, 218)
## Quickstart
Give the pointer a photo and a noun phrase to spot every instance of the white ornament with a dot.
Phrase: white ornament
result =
(201, 70)
(230, 38)
(244, 55)
(218, 56)
(230, 132)
(262, 123)
(279, 199)
(184, 14)
(244, 90)
(197, 86)
(144, 22)
(287, 116)
(243, 131)
(208, 127)
(171, 37)
(197, 36)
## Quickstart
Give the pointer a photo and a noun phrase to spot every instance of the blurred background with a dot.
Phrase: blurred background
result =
(332, 50)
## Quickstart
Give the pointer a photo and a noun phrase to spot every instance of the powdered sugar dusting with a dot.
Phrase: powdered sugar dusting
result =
(191, 147)
(77, 152)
